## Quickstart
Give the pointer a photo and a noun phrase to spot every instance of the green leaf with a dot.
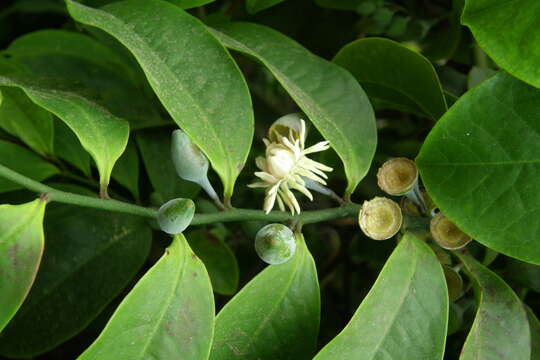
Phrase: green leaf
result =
(218, 259)
(22, 118)
(405, 314)
(522, 273)
(68, 147)
(330, 97)
(203, 90)
(481, 164)
(275, 316)
(394, 76)
(509, 32)
(90, 257)
(534, 328)
(24, 162)
(126, 171)
(155, 147)
(188, 4)
(169, 314)
(500, 329)
(254, 6)
(77, 57)
(21, 247)
(102, 134)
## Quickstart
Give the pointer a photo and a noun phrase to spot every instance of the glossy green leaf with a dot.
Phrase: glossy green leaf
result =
(254, 6)
(330, 97)
(405, 314)
(21, 247)
(534, 328)
(90, 257)
(24, 162)
(102, 134)
(126, 171)
(275, 315)
(202, 89)
(500, 329)
(77, 57)
(20, 117)
(509, 31)
(169, 314)
(69, 148)
(218, 259)
(481, 164)
(394, 76)
(155, 148)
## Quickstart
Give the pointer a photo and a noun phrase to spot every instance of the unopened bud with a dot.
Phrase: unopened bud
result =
(190, 163)
(380, 218)
(275, 244)
(175, 215)
(454, 283)
(447, 234)
(397, 176)
(286, 125)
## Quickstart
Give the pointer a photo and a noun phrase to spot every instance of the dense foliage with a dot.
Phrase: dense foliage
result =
(253, 231)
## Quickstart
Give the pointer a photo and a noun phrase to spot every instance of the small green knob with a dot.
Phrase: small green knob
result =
(275, 244)
(175, 215)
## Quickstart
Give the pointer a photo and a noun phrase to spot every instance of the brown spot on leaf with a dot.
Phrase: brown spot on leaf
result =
(12, 254)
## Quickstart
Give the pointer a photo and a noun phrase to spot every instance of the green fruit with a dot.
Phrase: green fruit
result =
(175, 215)
(275, 244)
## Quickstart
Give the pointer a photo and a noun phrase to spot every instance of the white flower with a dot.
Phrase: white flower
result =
(284, 167)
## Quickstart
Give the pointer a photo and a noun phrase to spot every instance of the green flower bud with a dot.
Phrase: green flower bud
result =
(447, 234)
(275, 244)
(190, 163)
(175, 215)
(380, 218)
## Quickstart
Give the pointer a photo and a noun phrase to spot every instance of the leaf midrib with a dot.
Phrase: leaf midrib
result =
(174, 285)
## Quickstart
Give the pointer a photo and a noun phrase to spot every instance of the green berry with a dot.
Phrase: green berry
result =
(175, 215)
(275, 244)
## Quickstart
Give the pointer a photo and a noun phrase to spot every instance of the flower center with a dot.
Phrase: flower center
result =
(280, 162)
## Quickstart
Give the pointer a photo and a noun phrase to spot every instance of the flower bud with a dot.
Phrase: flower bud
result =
(454, 283)
(275, 244)
(283, 126)
(380, 218)
(190, 163)
(397, 176)
(175, 215)
(447, 234)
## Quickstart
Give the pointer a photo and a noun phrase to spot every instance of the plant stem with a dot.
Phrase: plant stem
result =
(75, 199)
(307, 217)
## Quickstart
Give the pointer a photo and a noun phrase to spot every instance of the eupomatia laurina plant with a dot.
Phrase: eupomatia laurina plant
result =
(272, 180)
